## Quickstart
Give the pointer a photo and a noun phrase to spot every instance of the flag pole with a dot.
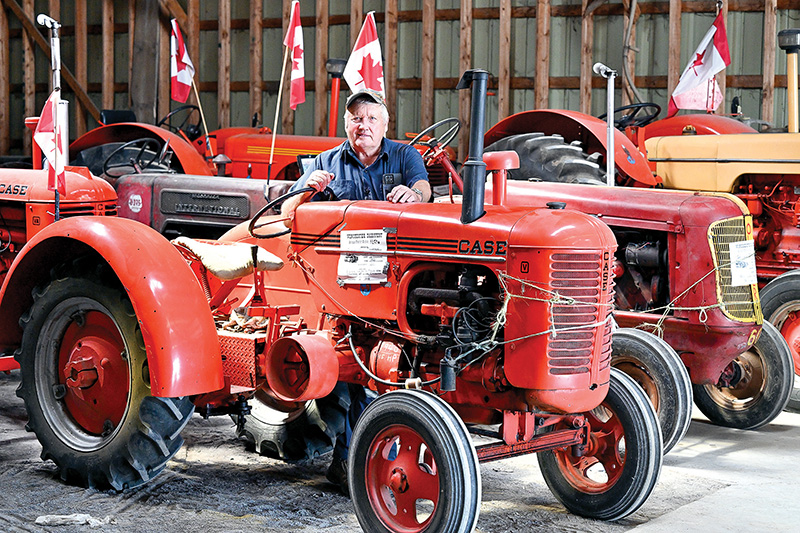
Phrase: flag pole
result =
(55, 63)
(277, 111)
(202, 117)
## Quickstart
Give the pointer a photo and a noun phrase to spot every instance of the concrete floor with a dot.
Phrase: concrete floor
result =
(715, 480)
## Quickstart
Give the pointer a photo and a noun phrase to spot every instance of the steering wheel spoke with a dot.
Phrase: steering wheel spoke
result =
(136, 156)
(624, 120)
(186, 128)
(433, 143)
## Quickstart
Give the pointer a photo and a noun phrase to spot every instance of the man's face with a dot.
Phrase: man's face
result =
(365, 126)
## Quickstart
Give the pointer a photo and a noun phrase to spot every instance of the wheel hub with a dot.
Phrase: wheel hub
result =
(85, 365)
(398, 481)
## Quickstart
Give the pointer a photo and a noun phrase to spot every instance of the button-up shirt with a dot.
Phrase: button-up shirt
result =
(353, 181)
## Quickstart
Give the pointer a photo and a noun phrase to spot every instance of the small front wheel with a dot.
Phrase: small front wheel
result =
(412, 466)
(614, 475)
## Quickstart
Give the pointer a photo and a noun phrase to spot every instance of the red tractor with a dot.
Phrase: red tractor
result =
(465, 318)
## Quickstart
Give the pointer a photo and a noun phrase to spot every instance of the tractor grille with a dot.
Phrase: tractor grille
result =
(239, 352)
(577, 279)
(208, 204)
(108, 209)
(738, 303)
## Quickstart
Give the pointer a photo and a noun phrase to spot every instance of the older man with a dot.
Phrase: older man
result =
(358, 168)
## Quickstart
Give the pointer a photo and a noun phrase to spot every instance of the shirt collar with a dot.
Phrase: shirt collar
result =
(383, 154)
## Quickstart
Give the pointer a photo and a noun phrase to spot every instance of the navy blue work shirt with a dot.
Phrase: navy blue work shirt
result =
(353, 181)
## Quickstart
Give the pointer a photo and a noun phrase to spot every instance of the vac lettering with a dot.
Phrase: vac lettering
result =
(482, 248)
(14, 188)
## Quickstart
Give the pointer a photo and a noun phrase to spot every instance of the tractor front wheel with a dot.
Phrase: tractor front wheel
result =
(85, 384)
(780, 303)
(656, 367)
(412, 466)
(761, 383)
(615, 473)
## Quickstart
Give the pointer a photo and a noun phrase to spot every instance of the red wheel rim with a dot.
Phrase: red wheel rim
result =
(402, 479)
(790, 329)
(94, 371)
(599, 468)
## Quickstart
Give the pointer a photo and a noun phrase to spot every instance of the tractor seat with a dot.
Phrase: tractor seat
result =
(115, 116)
(229, 260)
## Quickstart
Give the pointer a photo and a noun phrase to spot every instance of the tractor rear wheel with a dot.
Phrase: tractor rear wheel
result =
(85, 384)
(298, 431)
(549, 158)
(412, 466)
(656, 367)
(780, 303)
(763, 379)
(617, 471)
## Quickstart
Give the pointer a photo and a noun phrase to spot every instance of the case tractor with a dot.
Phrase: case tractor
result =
(693, 152)
(466, 317)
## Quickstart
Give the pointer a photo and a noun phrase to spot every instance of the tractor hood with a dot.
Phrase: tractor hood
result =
(31, 186)
(715, 162)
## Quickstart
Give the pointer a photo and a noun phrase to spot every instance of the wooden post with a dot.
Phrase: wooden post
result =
(587, 44)
(164, 87)
(224, 65)
(768, 69)
(256, 57)
(628, 95)
(356, 20)
(504, 64)
(542, 73)
(428, 55)
(5, 84)
(192, 41)
(28, 78)
(321, 73)
(674, 53)
(390, 67)
(464, 63)
(107, 87)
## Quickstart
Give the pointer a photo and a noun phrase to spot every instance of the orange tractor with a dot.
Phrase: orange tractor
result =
(471, 318)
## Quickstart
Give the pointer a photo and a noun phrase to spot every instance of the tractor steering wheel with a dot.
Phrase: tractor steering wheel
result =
(190, 129)
(433, 142)
(150, 152)
(253, 226)
(626, 120)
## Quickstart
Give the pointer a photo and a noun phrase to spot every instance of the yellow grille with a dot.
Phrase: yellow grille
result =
(738, 303)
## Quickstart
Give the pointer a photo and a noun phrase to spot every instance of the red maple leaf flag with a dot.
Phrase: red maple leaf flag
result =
(364, 69)
(181, 67)
(294, 41)
(697, 88)
(50, 136)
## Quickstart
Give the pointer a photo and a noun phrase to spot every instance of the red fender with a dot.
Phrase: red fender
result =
(190, 160)
(574, 126)
(701, 124)
(177, 327)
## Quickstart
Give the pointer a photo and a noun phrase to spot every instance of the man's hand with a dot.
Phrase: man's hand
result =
(404, 195)
(319, 179)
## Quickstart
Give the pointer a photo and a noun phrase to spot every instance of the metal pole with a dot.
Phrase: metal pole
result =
(609, 74)
(55, 64)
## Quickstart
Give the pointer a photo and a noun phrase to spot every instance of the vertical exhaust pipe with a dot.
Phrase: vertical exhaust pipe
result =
(789, 41)
(335, 68)
(474, 167)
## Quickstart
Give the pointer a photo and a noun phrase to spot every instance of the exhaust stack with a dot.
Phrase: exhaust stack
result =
(789, 41)
(474, 167)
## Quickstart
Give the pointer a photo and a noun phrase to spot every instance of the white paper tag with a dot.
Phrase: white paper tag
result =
(361, 268)
(743, 263)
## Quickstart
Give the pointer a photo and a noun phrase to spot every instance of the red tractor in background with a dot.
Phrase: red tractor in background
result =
(476, 318)
(694, 152)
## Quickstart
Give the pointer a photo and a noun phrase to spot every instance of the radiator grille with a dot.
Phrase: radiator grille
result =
(577, 279)
(108, 209)
(738, 303)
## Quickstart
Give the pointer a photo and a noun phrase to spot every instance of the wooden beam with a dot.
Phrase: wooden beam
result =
(257, 55)
(768, 62)
(173, 10)
(542, 69)
(321, 73)
(81, 60)
(5, 87)
(428, 55)
(390, 68)
(147, 63)
(192, 41)
(356, 20)
(674, 48)
(504, 63)
(164, 90)
(107, 94)
(587, 45)
(224, 65)
(28, 72)
(464, 63)
(628, 89)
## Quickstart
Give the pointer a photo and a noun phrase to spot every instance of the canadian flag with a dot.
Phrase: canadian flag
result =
(181, 67)
(364, 69)
(294, 41)
(50, 136)
(697, 88)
